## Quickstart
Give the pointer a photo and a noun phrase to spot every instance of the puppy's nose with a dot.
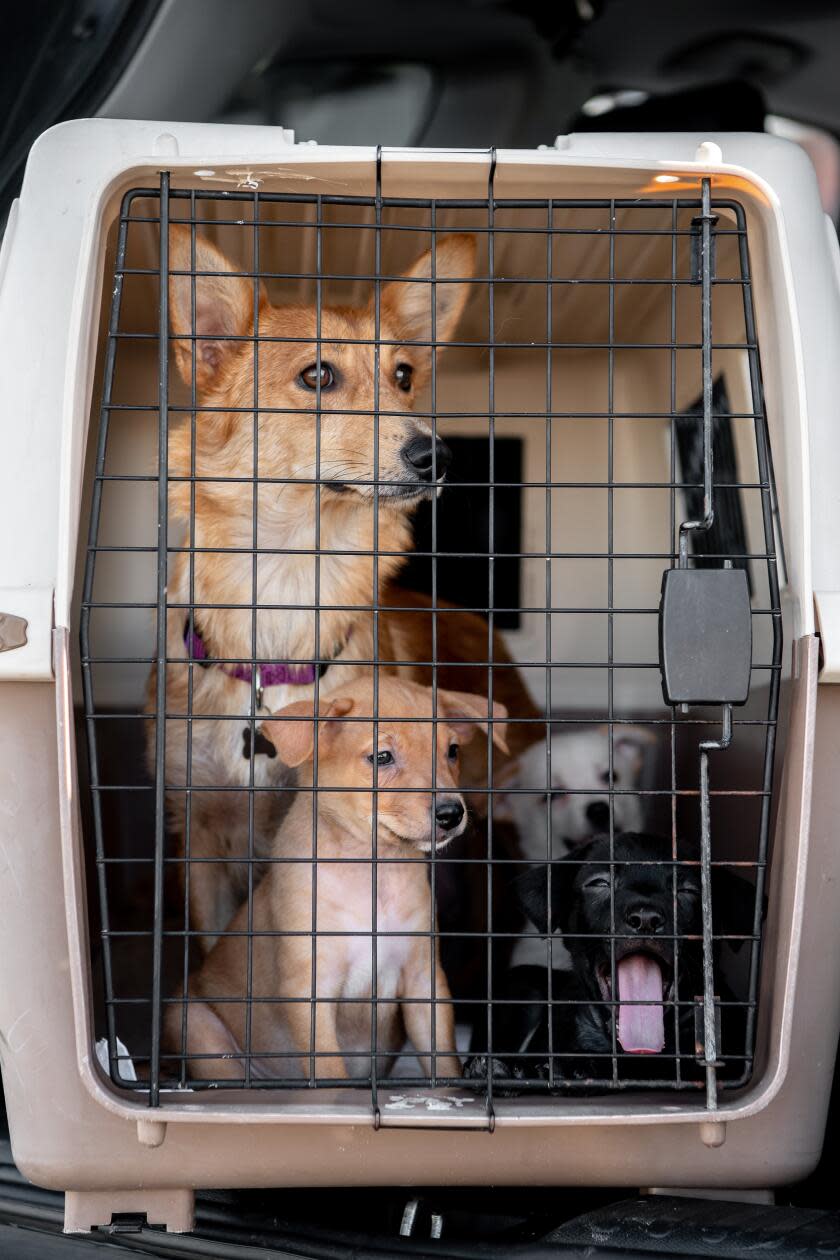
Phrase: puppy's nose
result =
(448, 814)
(598, 813)
(426, 458)
(646, 920)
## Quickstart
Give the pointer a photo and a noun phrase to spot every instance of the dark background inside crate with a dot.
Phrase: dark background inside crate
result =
(463, 514)
(728, 534)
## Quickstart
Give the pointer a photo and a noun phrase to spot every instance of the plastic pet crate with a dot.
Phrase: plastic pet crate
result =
(621, 358)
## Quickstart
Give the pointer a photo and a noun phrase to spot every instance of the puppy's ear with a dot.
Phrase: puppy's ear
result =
(294, 738)
(733, 905)
(531, 889)
(532, 892)
(461, 704)
(630, 743)
(409, 306)
(224, 306)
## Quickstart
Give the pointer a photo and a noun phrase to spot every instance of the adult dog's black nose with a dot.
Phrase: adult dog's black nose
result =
(448, 814)
(646, 920)
(428, 459)
(598, 813)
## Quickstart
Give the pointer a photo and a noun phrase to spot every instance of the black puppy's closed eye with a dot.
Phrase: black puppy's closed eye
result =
(598, 882)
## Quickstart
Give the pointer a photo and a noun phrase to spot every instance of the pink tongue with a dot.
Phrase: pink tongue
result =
(641, 1028)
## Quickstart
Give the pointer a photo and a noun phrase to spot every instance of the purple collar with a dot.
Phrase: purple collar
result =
(269, 674)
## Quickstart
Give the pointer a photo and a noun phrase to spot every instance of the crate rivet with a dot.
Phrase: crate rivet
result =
(713, 1133)
(151, 1132)
(166, 145)
(709, 153)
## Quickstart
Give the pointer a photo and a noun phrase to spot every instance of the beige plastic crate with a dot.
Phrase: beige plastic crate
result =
(71, 1127)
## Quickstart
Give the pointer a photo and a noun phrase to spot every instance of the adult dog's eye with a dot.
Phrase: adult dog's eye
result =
(688, 890)
(597, 881)
(403, 375)
(309, 376)
(452, 752)
(383, 758)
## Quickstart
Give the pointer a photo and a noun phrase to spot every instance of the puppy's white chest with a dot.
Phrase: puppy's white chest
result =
(388, 946)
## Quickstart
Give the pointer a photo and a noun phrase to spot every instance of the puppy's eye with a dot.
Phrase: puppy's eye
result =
(452, 752)
(382, 758)
(309, 376)
(605, 777)
(597, 881)
(403, 374)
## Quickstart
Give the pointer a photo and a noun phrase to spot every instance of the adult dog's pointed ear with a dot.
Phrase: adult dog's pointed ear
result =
(408, 306)
(224, 307)
(546, 892)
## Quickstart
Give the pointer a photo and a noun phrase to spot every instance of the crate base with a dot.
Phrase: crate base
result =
(85, 1210)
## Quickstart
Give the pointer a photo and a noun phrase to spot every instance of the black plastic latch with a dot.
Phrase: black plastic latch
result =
(705, 636)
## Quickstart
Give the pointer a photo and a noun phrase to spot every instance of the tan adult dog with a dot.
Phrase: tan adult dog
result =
(315, 542)
(329, 892)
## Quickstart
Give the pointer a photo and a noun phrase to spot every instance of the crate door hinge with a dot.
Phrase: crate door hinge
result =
(26, 626)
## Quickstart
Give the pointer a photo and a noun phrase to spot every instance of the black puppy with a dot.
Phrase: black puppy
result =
(633, 987)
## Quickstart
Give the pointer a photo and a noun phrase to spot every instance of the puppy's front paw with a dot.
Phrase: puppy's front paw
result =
(480, 1065)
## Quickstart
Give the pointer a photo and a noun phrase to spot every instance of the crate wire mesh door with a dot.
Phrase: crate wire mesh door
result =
(192, 933)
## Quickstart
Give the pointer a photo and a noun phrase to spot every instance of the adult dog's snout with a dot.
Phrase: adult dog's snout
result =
(598, 814)
(449, 813)
(427, 458)
(645, 920)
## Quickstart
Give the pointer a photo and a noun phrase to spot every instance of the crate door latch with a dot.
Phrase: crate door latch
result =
(705, 636)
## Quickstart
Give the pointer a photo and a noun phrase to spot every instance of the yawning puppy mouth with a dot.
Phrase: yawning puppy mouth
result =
(645, 983)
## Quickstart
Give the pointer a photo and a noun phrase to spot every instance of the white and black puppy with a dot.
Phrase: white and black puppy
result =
(579, 793)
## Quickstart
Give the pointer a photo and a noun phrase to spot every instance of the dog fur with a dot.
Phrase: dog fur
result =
(333, 893)
(580, 787)
(579, 803)
(583, 1016)
(221, 579)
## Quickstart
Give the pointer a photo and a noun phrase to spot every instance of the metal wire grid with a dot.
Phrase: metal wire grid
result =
(167, 1070)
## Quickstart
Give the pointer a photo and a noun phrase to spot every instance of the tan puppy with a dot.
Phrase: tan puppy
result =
(328, 890)
(247, 607)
